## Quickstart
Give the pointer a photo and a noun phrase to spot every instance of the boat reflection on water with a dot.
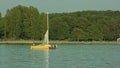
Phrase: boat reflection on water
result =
(46, 58)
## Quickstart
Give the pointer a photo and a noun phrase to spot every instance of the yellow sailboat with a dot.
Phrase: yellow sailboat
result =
(45, 44)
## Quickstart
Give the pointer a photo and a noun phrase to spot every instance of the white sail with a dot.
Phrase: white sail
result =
(46, 38)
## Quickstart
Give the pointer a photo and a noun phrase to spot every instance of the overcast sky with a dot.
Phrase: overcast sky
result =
(58, 6)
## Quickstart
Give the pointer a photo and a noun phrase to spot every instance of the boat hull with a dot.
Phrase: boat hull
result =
(43, 47)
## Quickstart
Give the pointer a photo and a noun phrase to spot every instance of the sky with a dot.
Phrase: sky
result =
(59, 6)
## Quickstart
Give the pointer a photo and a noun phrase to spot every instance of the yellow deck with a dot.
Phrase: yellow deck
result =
(40, 47)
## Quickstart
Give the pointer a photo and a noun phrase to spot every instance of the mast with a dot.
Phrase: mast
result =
(47, 28)
(47, 22)
(46, 36)
(47, 33)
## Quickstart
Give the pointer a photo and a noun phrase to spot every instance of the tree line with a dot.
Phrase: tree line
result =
(28, 23)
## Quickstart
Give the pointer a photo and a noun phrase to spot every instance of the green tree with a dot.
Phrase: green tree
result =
(58, 30)
(24, 23)
(13, 23)
(78, 35)
(1, 28)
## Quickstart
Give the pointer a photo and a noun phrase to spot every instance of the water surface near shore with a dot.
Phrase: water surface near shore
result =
(66, 56)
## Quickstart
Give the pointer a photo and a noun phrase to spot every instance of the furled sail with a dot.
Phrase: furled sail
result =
(46, 38)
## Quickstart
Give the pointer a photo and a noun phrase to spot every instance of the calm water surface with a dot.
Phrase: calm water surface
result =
(66, 56)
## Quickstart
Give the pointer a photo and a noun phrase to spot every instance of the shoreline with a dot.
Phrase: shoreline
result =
(58, 42)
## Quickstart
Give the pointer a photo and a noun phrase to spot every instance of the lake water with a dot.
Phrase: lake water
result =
(66, 56)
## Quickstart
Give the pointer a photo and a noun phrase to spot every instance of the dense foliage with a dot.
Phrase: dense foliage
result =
(23, 22)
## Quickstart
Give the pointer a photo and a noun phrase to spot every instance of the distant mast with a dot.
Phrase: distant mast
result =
(48, 26)
(47, 22)
(46, 36)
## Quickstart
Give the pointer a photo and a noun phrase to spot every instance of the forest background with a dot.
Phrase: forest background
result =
(27, 23)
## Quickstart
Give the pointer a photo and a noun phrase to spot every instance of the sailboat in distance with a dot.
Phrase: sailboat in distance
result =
(45, 44)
